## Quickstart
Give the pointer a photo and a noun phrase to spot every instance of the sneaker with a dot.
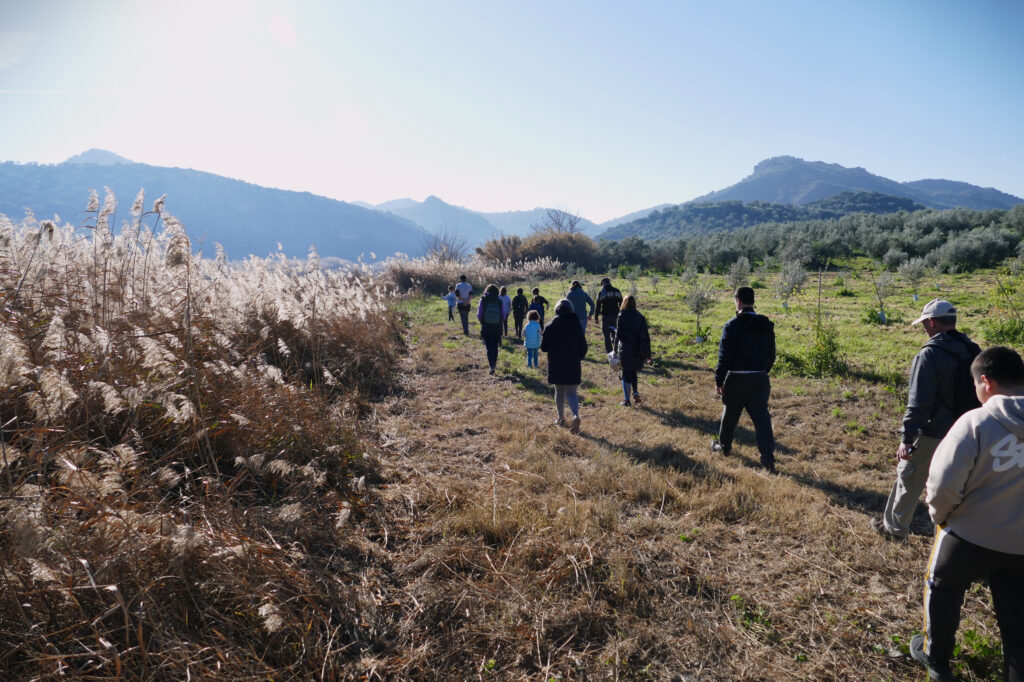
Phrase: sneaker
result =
(492, 371)
(559, 422)
(636, 398)
(936, 671)
(625, 403)
(878, 525)
(717, 447)
(575, 426)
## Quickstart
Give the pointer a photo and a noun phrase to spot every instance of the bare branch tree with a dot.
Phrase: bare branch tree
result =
(558, 221)
(447, 246)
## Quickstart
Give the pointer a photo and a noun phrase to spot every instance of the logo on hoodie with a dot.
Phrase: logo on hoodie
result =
(1007, 453)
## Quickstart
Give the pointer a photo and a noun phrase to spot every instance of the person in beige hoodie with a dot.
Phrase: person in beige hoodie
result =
(975, 495)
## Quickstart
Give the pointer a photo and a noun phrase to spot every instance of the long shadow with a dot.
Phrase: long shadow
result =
(538, 385)
(743, 434)
(664, 455)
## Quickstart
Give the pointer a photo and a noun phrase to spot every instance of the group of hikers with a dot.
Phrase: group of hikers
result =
(962, 439)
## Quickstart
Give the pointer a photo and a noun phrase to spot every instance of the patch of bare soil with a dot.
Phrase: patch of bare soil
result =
(500, 546)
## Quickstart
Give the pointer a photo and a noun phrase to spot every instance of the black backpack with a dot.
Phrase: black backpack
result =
(965, 398)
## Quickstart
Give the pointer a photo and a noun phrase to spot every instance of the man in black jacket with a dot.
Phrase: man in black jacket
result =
(609, 301)
(745, 355)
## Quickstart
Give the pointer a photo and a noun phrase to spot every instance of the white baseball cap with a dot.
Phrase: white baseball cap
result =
(936, 308)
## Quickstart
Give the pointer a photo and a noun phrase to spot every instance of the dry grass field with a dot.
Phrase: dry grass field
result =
(515, 550)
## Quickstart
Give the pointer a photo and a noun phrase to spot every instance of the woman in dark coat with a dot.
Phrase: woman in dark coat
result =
(633, 346)
(566, 345)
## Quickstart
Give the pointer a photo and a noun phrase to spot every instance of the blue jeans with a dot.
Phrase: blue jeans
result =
(531, 356)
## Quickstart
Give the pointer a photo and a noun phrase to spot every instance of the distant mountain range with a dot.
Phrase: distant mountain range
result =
(249, 219)
(789, 180)
(436, 216)
(702, 217)
(785, 188)
(244, 218)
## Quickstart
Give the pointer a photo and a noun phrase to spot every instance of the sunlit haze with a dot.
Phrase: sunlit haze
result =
(596, 108)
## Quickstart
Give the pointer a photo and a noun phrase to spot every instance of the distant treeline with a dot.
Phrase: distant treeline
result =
(951, 240)
(726, 216)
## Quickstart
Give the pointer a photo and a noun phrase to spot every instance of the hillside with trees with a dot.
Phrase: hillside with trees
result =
(726, 216)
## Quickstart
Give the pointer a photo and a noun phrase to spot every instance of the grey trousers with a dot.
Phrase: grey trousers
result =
(567, 393)
(911, 476)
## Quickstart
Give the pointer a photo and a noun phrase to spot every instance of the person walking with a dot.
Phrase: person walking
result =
(464, 297)
(581, 303)
(538, 305)
(975, 489)
(936, 399)
(566, 345)
(450, 299)
(632, 345)
(746, 353)
(490, 312)
(519, 305)
(506, 301)
(544, 304)
(531, 338)
(609, 301)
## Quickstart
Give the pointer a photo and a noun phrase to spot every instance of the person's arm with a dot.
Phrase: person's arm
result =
(771, 353)
(726, 350)
(544, 346)
(645, 340)
(590, 302)
(921, 396)
(951, 466)
(582, 341)
(480, 311)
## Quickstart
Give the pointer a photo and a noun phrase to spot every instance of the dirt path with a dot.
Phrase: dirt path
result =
(505, 547)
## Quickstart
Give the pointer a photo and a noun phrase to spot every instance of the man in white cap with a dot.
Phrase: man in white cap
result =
(941, 389)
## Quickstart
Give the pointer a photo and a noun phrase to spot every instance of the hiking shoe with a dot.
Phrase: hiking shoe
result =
(575, 426)
(878, 525)
(636, 398)
(717, 447)
(559, 422)
(625, 403)
(936, 671)
(492, 371)
(769, 467)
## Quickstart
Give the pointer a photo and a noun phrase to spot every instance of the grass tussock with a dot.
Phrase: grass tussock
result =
(180, 458)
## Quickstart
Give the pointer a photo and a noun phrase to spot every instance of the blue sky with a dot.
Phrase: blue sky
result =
(600, 108)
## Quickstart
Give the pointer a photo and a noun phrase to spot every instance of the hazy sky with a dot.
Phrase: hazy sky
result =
(600, 108)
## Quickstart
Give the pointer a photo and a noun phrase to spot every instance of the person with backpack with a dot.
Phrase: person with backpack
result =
(464, 296)
(507, 302)
(490, 312)
(632, 345)
(609, 303)
(531, 338)
(566, 345)
(975, 488)
(941, 389)
(519, 305)
(746, 354)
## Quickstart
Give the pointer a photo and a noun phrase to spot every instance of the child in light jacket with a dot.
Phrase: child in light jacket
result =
(531, 338)
(450, 298)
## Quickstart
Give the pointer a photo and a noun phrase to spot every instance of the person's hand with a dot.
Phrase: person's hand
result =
(903, 451)
(720, 390)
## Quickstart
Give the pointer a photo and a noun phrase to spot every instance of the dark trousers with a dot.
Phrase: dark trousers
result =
(629, 368)
(491, 341)
(608, 329)
(451, 318)
(955, 564)
(748, 392)
(464, 315)
(518, 319)
(504, 325)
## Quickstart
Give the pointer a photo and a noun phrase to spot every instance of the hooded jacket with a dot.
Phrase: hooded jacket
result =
(932, 383)
(581, 302)
(976, 480)
(566, 345)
